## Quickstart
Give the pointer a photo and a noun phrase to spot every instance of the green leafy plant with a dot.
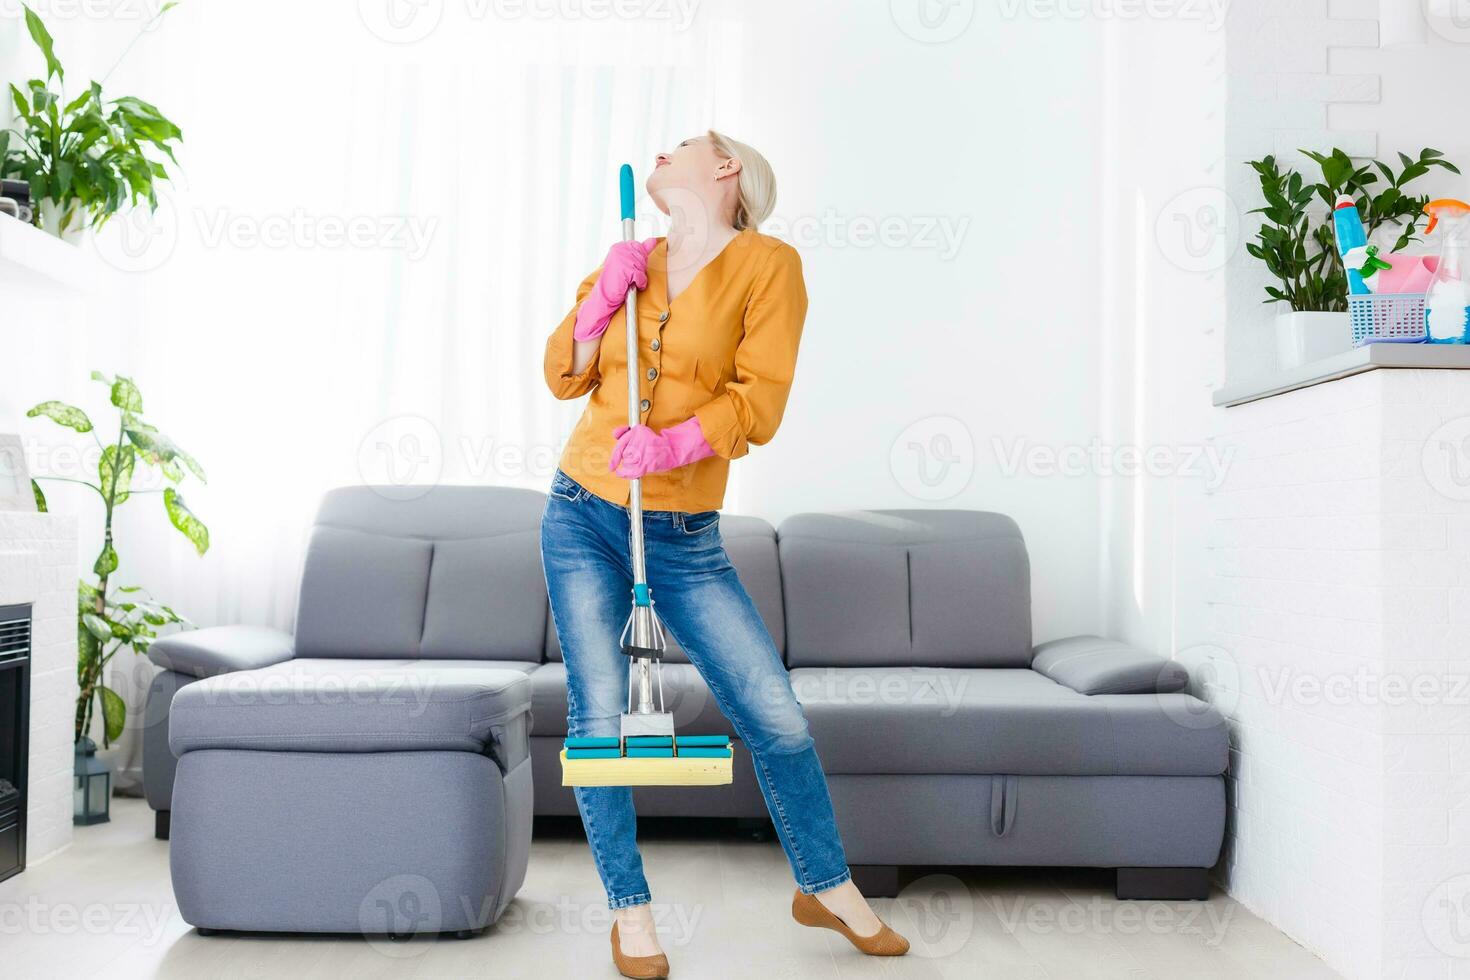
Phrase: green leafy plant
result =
(115, 618)
(1297, 242)
(89, 156)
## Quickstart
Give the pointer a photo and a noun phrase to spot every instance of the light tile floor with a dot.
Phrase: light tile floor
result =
(105, 908)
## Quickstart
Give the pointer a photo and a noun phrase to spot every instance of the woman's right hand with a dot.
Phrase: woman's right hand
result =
(626, 265)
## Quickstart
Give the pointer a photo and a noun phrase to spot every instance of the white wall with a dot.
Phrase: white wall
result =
(997, 134)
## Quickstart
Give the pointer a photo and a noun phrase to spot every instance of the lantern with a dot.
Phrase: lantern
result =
(91, 785)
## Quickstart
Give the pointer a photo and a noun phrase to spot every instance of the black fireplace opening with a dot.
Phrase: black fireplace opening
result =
(15, 701)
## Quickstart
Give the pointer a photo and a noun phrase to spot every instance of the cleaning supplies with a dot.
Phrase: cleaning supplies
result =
(1447, 298)
(646, 751)
(1348, 225)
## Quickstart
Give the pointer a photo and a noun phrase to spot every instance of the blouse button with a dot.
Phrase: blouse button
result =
(655, 345)
(663, 317)
(652, 373)
(643, 405)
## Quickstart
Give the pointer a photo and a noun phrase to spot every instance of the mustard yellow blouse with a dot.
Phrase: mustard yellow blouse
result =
(724, 350)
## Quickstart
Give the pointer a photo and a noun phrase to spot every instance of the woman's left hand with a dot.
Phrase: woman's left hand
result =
(639, 450)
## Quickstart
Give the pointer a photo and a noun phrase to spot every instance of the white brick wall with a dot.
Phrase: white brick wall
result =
(1340, 598)
(38, 564)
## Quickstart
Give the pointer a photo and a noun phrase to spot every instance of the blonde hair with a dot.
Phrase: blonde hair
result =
(756, 198)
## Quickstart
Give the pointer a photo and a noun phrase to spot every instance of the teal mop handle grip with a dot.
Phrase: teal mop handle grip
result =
(625, 188)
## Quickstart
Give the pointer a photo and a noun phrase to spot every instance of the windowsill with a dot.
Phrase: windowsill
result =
(1371, 357)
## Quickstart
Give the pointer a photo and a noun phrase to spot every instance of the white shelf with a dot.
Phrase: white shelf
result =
(29, 256)
(1370, 357)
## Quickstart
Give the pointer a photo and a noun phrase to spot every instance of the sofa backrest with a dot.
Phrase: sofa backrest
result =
(442, 572)
(945, 588)
(751, 544)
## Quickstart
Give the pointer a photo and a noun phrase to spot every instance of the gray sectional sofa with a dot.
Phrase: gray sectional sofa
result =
(420, 705)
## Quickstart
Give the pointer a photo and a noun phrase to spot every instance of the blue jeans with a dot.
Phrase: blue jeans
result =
(699, 598)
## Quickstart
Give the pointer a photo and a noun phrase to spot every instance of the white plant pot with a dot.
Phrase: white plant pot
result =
(53, 214)
(1305, 337)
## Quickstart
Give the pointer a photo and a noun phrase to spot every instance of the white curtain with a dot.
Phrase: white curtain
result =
(353, 280)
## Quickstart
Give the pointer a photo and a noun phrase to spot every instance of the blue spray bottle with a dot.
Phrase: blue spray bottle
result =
(1348, 225)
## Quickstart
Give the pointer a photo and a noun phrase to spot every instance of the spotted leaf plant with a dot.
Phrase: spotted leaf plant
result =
(110, 617)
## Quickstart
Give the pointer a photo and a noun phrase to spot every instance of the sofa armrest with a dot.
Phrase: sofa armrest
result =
(221, 650)
(1093, 665)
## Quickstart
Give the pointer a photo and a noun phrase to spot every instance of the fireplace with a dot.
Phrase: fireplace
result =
(15, 699)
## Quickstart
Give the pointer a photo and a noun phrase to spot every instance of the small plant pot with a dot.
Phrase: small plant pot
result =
(1305, 337)
(67, 222)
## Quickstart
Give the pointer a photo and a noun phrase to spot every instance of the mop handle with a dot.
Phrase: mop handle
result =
(635, 491)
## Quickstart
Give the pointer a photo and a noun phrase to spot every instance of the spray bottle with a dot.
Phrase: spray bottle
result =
(1348, 225)
(1448, 299)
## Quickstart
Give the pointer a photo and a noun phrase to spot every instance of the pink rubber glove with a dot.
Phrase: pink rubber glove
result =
(641, 451)
(626, 265)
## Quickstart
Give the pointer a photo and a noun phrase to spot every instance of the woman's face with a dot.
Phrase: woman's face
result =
(695, 165)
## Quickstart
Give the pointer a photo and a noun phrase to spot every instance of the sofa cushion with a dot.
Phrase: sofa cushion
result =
(440, 572)
(944, 588)
(1001, 721)
(685, 694)
(1093, 665)
(322, 705)
(751, 545)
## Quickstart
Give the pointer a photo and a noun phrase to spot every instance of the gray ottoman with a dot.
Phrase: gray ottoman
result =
(362, 796)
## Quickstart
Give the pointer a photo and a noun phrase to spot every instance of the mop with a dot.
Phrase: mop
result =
(646, 752)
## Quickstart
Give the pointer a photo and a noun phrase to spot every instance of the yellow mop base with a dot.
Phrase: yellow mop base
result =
(646, 772)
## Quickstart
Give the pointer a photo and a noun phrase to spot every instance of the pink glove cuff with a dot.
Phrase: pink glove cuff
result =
(687, 442)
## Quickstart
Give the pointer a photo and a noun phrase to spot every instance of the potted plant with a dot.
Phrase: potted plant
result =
(1297, 243)
(113, 618)
(88, 157)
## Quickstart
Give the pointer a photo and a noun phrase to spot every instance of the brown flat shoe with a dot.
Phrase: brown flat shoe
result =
(638, 967)
(810, 912)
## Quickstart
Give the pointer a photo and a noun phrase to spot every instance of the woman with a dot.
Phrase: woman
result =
(720, 317)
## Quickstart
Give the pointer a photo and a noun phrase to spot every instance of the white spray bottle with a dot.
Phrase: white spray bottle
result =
(1448, 298)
